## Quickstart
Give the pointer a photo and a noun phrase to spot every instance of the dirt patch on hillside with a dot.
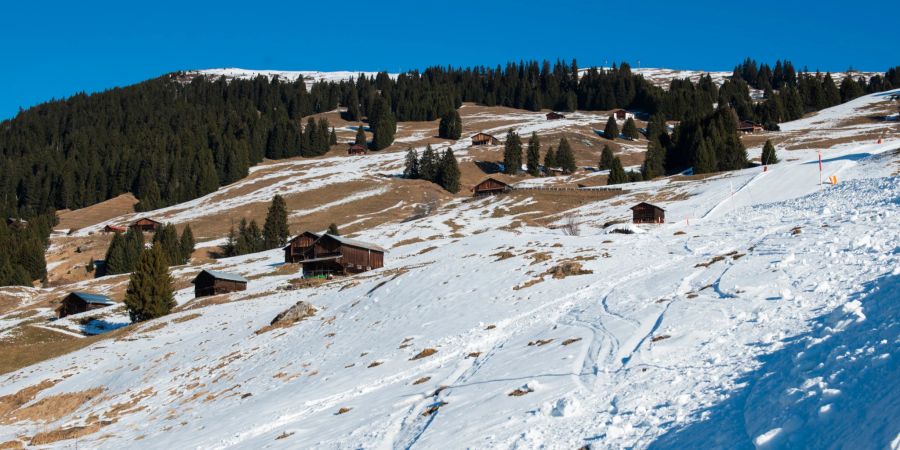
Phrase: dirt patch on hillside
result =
(51, 408)
(94, 214)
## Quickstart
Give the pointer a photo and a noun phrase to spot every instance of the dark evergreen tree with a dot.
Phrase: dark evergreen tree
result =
(533, 160)
(149, 294)
(411, 168)
(116, 260)
(565, 157)
(550, 160)
(612, 129)
(382, 123)
(450, 126)
(617, 173)
(360, 135)
(449, 172)
(275, 229)
(186, 243)
(427, 167)
(333, 230)
(768, 154)
(630, 130)
(332, 140)
(606, 158)
(166, 238)
(512, 153)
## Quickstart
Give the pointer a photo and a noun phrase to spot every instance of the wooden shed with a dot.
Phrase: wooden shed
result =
(211, 282)
(749, 127)
(338, 255)
(145, 224)
(114, 229)
(621, 114)
(79, 302)
(357, 149)
(299, 246)
(490, 186)
(553, 115)
(484, 139)
(644, 212)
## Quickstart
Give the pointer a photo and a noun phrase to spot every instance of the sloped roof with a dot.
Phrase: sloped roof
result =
(648, 204)
(95, 299)
(354, 242)
(221, 276)
(147, 219)
(316, 235)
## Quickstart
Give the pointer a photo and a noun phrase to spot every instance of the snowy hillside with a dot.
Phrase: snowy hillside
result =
(762, 315)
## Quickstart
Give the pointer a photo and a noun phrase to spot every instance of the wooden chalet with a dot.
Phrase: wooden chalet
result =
(114, 229)
(484, 139)
(145, 224)
(334, 255)
(79, 302)
(299, 246)
(749, 127)
(490, 186)
(644, 212)
(621, 114)
(13, 222)
(553, 115)
(211, 282)
(357, 149)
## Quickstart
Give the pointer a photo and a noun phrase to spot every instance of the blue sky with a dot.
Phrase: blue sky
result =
(56, 49)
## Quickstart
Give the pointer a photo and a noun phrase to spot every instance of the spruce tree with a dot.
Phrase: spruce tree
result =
(612, 129)
(275, 229)
(566, 157)
(116, 260)
(411, 169)
(533, 160)
(449, 172)
(450, 126)
(617, 173)
(332, 140)
(654, 161)
(606, 158)
(512, 153)
(360, 135)
(333, 230)
(550, 160)
(768, 154)
(186, 244)
(149, 294)
(705, 161)
(230, 247)
(166, 238)
(629, 130)
(427, 167)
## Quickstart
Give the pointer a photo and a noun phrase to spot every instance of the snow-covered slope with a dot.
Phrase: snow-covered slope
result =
(763, 315)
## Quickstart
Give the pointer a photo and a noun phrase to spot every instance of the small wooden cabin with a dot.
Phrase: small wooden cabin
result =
(145, 224)
(490, 186)
(749, 127)
(79, 302)
(621, 114)
(299, 246)
(644, 212)
(337, 255)
(211, 282)
(484, 139)
(357, 149)
(114, 229)
(553, 115)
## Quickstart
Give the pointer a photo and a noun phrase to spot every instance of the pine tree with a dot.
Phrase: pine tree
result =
(275, 229)
(550, 160)
(705, 160)
(629, 130)
(149, 293)
(360, 135)
(186, 244)
(411, 169)
(230, 247)
(167, 240)
(116, 260)
(449, 172)
(333, 230)
(427, 167)
(606, 158)
(512, 153)
(450, 126)
(566, 157)
(533, 161)
(353, 104)
(617, 173)
(383, 124)
(612, 129)
(654, 161)
(768, 154)
(332, 140)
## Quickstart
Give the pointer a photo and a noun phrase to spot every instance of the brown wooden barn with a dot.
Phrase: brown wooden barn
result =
(553, 115)
(644, 212)
(145, 224)
(621, 114)
(337, 255)
(211, 282)
(484, 139)
(749, 127)
(490, 186)
(357, 149)
(114, 229)
(299, 246)
(79, 302)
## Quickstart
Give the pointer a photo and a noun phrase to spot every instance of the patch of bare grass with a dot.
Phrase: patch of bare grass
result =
(423, 354)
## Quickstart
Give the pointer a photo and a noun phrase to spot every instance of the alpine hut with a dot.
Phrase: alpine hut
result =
(79, 302)
(644, 212)
(334, 255)
(357, 149)
(490, 186)
(484, 139)
(145, 224)
(553, 115)
(621, 114)
(211, 282)
(299, 246)
(749, 127)
(114, 229)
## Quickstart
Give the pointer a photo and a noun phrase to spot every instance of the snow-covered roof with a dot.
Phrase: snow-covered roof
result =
(354, 242)
(94, 299)
(222, 276)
